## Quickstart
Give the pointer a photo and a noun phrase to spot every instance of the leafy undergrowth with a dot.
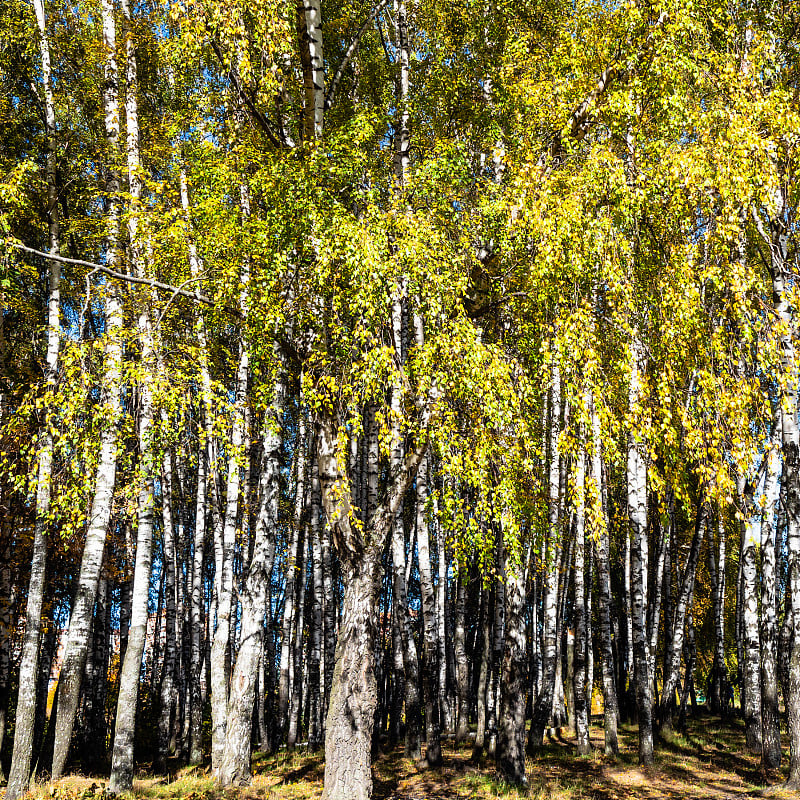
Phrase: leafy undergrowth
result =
(707, 762)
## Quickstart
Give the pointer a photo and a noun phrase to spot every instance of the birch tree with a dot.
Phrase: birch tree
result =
(77, 642)
(26, 696)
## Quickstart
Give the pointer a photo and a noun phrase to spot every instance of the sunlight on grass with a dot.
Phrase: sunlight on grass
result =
(707, 761)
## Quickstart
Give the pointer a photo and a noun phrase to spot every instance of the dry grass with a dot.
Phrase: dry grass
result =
(707, 763)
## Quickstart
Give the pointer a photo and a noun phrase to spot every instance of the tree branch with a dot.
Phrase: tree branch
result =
(330, 95)
(121, 276)
(255, 114)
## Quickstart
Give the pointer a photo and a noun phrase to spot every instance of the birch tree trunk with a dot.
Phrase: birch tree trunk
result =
(197, 608)
(579, 610)
(298, 677)
(408, 657)
(221, 646)
(484, 670)
(25, 719)
(290, 590)
(351, 713)
(656, 587)
(7, 614)
(716, 569)
(95, 690)
(637, 512)
(690, 658)
(310, 24)
(498, 639)
(316, 676)
(544, 702)
(445, 711)
(169, 561)
(78, 635)
(330, 613)
(589, 583)
(778, 241)
(626, 674)
(235, 767)
(682, 608)
(770, 715)
(610, 709)
(121, 779)
(433, 749)
(751, 683)
(514, 677)
(462, 666)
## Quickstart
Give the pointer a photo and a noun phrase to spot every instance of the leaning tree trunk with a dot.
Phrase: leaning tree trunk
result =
(25, 720)
(77, 642)
(673, 661)
(514, 677)
(235, 766)
(637, 514)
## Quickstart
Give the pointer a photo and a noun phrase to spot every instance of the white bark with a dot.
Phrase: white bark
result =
(610, 707)
(290, 591)
(544, 701)
(78, 635)
(26, 694)
(170, 567)
(235, 764)
(637, 512)
(122, 755)
(770, 715)
(581, 706)
(751, 689)
(313, 68)
(222, 646)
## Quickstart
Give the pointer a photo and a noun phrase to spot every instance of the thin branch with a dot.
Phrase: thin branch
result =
(178, 290)
(330, 95)
(257, 115)
(121, 276)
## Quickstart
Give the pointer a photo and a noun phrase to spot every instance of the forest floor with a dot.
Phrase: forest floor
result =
(708, 761)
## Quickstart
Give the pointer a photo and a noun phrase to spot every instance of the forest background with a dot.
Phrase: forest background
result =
(371, 372)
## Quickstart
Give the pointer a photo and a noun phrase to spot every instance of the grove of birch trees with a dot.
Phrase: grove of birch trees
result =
(378, 373)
